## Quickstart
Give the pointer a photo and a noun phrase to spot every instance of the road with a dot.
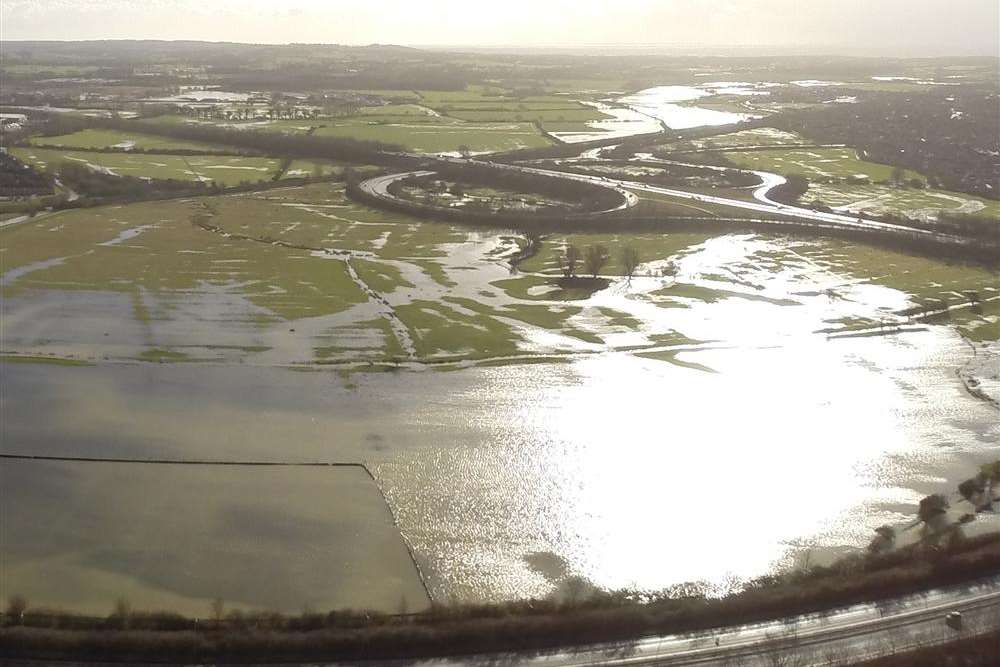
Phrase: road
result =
(838, 637)
(761, 202)
(379, 186)
(842, 636)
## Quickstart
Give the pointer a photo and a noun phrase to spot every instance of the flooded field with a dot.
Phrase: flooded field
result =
(178, 537)
(664, 103)
(745, 393)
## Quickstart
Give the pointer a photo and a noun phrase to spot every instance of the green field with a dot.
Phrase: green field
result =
(911, 202)
(407, 110)
(815, 163)
(92, 138)
(225, 170)
(441, 137)
(579, 114)
(433, 98)
(930, 283)
(761, 136)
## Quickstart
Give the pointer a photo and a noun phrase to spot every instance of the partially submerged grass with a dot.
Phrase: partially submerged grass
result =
(222, 169)
(906, 201)
(650, 246)
(815, 163)
(441, 136)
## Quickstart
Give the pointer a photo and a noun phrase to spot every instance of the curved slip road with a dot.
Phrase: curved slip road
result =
(379, 186)
(762, 203)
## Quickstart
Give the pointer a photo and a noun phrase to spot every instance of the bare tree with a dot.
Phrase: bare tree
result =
(898, 176)
(218, 609)
(630, 261)
(885, 539)
(568, 260)
(16, 606)
(122, 613)
(595, 259)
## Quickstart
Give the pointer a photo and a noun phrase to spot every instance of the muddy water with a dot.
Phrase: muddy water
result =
(721, 462)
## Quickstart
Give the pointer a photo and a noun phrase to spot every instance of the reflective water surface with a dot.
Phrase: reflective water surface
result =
(714, 462)
(662, 103)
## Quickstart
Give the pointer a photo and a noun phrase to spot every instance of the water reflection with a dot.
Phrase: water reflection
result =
(721, 461)
(662, 102)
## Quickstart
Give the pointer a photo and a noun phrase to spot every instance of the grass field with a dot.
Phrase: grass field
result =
(291, 126)
(911, 202)
(441, 137)
(225, 170)
(407, 110)
(486, 124)
(92, 138)
(815, 163)
(761, 136)
(470, 94)
(357, 560)
(580, 114)
(928, 282)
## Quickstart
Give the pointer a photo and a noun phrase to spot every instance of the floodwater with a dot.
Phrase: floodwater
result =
(715, 463)
(648, 110)
(662, 103)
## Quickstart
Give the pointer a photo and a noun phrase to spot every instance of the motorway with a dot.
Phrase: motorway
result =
(842, 636)
(761, 202)
(838, 637)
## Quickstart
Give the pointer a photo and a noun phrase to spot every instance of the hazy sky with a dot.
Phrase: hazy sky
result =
(903, 27)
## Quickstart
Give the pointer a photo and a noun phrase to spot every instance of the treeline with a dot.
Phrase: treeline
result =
(20, 180)
(585, 196)
(78, 176)
(505, 218)
(953, 139)
(676, 175)
(98, 189)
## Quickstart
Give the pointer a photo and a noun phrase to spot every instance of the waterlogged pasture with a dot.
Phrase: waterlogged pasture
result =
(835, 168)
(815, 163)
(757, 137)
(440, 136)
(178, 537)
(305, 276)
(222, 169)
(924, 203)
(506, 479)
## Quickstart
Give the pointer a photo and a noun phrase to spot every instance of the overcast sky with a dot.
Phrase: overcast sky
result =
(892, 27)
